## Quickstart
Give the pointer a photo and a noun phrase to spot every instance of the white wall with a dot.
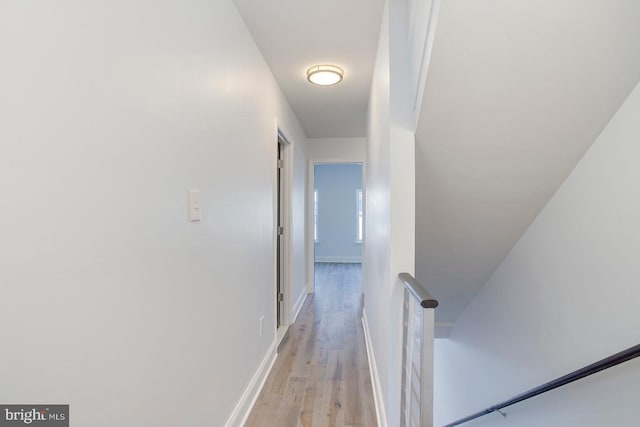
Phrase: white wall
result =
(565, 296)
(376, 274)
(299, 245)
(337, 186)
(390, 208)
(350, 149)
(111, 300)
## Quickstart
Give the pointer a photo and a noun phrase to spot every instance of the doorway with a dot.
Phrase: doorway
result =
(338, 218)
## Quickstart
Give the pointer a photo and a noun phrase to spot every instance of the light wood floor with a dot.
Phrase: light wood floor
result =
(321, 376)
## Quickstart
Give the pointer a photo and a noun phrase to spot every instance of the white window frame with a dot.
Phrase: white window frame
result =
(315, 215)
(359, 216)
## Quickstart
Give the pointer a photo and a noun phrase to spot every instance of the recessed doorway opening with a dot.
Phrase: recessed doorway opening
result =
(338, 218)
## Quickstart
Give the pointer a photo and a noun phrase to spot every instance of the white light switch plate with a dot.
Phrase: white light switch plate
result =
(195, 214)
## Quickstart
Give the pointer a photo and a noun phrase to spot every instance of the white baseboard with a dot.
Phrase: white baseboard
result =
(250, 395)
(341, 259)
(381, 414)
(298, 305)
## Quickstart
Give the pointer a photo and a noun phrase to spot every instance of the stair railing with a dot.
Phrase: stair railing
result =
(601, 365)
(417, 354)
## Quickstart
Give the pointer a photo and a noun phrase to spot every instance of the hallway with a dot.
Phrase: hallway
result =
(321, 376)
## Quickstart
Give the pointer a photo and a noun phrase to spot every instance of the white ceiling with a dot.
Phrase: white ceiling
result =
(517, 91)
(293, 35)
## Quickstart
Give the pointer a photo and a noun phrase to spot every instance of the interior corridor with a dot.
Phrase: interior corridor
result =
(321, 375)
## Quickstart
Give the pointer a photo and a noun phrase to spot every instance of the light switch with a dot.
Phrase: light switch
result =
(194, 205)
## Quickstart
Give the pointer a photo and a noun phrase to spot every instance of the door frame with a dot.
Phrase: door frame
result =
(286, 242)
(311, 279)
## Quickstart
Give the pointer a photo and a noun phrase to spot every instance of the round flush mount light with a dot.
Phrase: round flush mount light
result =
(325, 75)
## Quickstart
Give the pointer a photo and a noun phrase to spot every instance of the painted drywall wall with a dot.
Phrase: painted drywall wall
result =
(390, 225)
(336, 186)
(565, 296)
(111, 300)
(507, 115)
(376, 268)
(334, 149)
(299, 247)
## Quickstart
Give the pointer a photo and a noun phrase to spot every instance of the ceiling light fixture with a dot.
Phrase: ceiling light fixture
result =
(325, 75)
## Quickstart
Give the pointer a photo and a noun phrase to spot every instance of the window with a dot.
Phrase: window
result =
(315, 215)
(359, 215)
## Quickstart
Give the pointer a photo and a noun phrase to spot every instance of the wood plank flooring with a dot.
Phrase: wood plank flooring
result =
(321, 376)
